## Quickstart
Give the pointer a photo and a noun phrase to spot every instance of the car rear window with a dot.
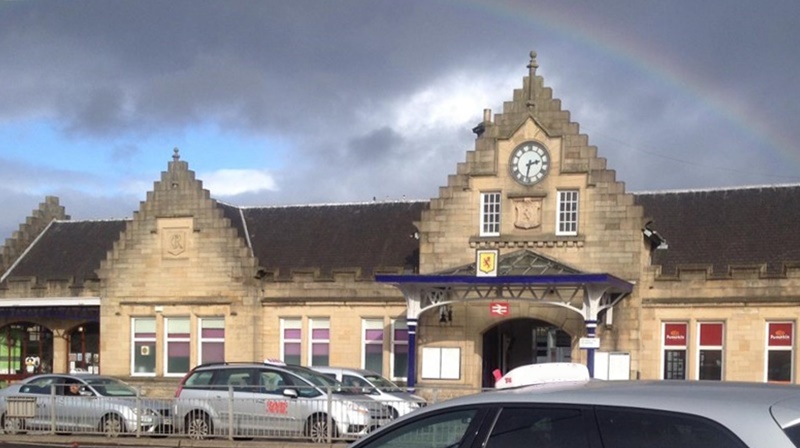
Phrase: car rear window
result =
(199, 379)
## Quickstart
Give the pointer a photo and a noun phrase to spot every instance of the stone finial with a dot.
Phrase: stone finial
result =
(176, 156)
(532, 66)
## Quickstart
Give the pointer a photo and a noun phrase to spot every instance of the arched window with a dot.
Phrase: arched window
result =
(25, 349)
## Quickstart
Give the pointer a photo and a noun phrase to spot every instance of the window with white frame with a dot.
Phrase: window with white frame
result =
(178, 343)
(372, 332)
(320, 341)
(567, 214)
(291, 340)
(780, 351)
(490, 214)
(710, 350)
(143, 346)
(212, 340)
(674, 350)
(399, 359)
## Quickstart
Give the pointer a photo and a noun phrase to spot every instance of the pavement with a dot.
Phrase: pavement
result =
(77, 441)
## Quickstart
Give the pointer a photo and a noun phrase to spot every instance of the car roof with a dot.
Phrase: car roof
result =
(331, 369)
(730, 403)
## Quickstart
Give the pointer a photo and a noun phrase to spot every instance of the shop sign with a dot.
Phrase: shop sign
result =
(675, 334)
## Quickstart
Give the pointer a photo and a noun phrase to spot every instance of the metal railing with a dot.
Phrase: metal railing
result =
(231, 412)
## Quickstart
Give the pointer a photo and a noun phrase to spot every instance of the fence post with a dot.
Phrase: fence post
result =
(138, 414)
(53, 408)
(329, 436)
(230, 412)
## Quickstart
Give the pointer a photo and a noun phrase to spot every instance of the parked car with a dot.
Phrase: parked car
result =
(604, 414)
(80, 403)
(381, 389)
(272, 399)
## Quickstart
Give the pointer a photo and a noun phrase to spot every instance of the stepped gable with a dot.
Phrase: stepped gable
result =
(68, 250)
(48, 210)
(726, 228)
(534, 101)
(367, 237)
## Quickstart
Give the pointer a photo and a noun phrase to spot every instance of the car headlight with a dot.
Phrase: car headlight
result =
(144, 412)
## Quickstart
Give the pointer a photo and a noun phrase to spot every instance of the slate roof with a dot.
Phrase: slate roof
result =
(69, 250)
(751, 226)
(372, 237)
(726, 227)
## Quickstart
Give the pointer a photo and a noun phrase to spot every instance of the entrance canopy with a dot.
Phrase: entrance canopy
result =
(521, 275)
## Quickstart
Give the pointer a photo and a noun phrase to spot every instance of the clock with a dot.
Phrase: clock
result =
(529, 163)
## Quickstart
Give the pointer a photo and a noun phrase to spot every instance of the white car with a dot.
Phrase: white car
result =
(399, 400)
(583, 413)
(271, 399)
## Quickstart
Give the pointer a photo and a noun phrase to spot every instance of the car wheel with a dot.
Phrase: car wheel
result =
(13, 425)
(317, 429)
(112, 426)
(198, 426)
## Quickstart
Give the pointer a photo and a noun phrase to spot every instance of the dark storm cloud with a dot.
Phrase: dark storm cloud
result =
(680, 94)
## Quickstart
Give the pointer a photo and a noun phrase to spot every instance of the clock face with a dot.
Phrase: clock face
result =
(529, 163)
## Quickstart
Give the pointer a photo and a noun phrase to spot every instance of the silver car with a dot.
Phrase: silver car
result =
(375, 386)
(271, 399)
(605, 414)
(80, 403)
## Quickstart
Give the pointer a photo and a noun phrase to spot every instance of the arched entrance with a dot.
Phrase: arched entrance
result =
(84, 348)
(26, 349)
(515, 342)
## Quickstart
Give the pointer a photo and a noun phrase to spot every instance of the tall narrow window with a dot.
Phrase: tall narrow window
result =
(400, 350)
(291, 340)
(709, 351)
(143, 335)
(675, 339)
(212, 339)
(373, 344)
(567, 216)
(490, 214)
(320, 342)
(178, 343)
(780, 351)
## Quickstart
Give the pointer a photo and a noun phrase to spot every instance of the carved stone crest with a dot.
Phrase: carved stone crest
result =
(174, 244)
(528, 213)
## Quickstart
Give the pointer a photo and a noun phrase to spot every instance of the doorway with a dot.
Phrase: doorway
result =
(516, 342)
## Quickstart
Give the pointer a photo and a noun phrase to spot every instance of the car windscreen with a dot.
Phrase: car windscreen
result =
(324, 382)
(383, 383)
(110, 387)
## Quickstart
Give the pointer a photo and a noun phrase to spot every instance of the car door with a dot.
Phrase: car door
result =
(39, 390)
(233, 396)
(281, 414)
(75, 412)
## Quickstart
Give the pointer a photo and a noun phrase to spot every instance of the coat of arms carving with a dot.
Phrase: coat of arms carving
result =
(528, 213)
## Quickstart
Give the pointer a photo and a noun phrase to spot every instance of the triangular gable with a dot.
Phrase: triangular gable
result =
(522, 262)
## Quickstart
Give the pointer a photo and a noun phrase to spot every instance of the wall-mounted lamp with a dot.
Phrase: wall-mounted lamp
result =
(445, 314)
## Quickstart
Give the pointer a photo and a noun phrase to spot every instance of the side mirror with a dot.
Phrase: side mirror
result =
(291, 393)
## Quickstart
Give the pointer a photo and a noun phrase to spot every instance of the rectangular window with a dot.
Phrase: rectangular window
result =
(400, 350)
(674, 340)
(709, 350)
(372, 331)
(780, 351)
(490, 214)
(291, 340)
(212, 340)
(143, 336)
(567, 216)
(320, 342)
(178, 343)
